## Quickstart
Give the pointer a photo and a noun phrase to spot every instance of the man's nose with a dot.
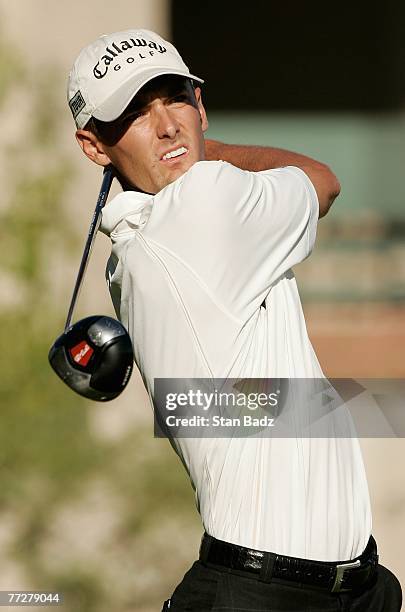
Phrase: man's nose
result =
(166, 124)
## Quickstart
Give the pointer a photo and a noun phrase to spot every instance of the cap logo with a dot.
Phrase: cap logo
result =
(77, 104)
(115, 49)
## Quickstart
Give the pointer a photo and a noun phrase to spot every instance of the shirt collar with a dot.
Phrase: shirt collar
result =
(131, 207)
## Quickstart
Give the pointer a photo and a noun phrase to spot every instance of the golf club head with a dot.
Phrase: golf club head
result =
(94, 357)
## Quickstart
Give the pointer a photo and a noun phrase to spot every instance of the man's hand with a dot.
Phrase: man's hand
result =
(256, 158)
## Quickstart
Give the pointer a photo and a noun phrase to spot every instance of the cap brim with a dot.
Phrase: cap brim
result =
(115, 104)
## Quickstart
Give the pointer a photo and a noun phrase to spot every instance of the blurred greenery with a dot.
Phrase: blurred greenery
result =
(33, 211)
(11, 68)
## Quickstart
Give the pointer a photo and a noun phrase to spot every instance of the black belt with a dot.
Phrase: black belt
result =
(335, 576)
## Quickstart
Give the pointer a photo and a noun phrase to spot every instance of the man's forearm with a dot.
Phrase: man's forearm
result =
(256, 158)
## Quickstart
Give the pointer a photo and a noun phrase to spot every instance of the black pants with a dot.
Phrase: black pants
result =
(204, 589)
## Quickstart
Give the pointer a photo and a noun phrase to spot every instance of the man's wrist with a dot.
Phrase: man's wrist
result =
(213, 150)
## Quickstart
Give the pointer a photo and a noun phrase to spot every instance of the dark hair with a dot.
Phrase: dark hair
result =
(92, 127)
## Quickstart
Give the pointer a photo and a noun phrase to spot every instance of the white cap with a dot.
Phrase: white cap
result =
(109, 72)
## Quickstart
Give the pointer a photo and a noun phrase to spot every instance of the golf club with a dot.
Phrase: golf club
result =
(94, 356)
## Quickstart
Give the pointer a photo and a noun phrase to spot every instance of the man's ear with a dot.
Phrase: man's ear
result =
(92, 147)
(201, 109)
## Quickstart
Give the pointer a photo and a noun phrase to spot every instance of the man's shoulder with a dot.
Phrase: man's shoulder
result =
(206, 174)
(213, 179)
(211, 169)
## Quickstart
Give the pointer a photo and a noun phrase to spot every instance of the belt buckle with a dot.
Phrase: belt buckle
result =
(340, 571)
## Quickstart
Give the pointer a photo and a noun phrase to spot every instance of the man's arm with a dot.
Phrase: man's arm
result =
(255, 158)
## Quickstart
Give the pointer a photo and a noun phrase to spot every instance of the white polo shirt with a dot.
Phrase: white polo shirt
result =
(189, 270)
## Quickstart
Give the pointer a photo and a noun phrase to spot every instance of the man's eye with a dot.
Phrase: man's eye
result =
(179, 98)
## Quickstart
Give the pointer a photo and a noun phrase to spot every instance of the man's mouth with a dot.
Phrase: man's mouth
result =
(181, 151)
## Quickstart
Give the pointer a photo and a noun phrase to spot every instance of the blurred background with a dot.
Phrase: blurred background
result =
(88, 498)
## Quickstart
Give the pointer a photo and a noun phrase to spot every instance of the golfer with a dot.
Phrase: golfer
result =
(204, 236)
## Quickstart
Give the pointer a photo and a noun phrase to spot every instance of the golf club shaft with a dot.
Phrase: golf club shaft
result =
(94, 225)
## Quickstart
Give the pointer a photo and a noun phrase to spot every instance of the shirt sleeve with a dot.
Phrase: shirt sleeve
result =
(241, 231)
